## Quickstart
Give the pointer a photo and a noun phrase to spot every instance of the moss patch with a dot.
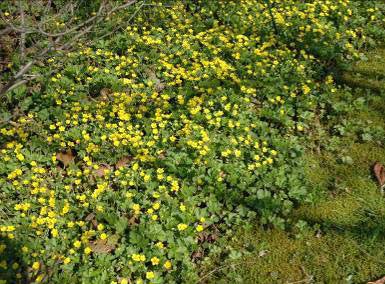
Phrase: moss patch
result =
(341, 238)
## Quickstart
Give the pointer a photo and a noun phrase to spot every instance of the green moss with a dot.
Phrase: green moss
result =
(344, 239)
(329, 258)
(359, 81)
(368, 73)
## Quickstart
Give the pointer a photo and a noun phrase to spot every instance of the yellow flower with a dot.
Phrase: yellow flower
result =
(150, 275)
(138, 257)
(160, 245)
(67, 260)
(36, 265)
(20, 157)
(103, 236)
(155, 260)
(39, 278)
(199, 228)
(87, 250)
(129, 194)
(77, 244)
(167, 265)
(3, 265)
(54, 233)
(182, 227)
(306, 90)
(136, 207)
(156, 206)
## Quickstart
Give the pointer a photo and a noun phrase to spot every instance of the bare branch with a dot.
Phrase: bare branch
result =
(13, 27)
(17, 84)
(22, 35)
(73, 29)
(19, 78)
(5, 31)
(127, 22)
(16, 78)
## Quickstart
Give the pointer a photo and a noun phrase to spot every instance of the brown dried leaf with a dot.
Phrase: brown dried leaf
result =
(123, 162)
(379, 281)
(101, 246)
(133, 220)
(379, 172)
(159, 86)
(104, 94)
(202, 237)
(36, 88)
(212, 238)
(199, 254)
(66, 157)
(262, 253)
(162, 155)
(102, 170)
(90, 217)
(94, 223)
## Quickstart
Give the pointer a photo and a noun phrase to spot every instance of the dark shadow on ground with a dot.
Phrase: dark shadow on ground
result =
(12, 267)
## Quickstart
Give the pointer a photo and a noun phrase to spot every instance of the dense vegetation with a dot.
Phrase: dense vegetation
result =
(129, 155)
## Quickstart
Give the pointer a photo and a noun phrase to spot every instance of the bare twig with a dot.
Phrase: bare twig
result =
(129, 3)
(99, 16)
(5, 31)
(13, 27)
(14, 81)
(73, 29)
(18, 79)
(127, 22)
(22, 35)
(17, 84)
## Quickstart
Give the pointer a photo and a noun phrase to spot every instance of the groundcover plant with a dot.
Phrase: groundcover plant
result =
(133, 152)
